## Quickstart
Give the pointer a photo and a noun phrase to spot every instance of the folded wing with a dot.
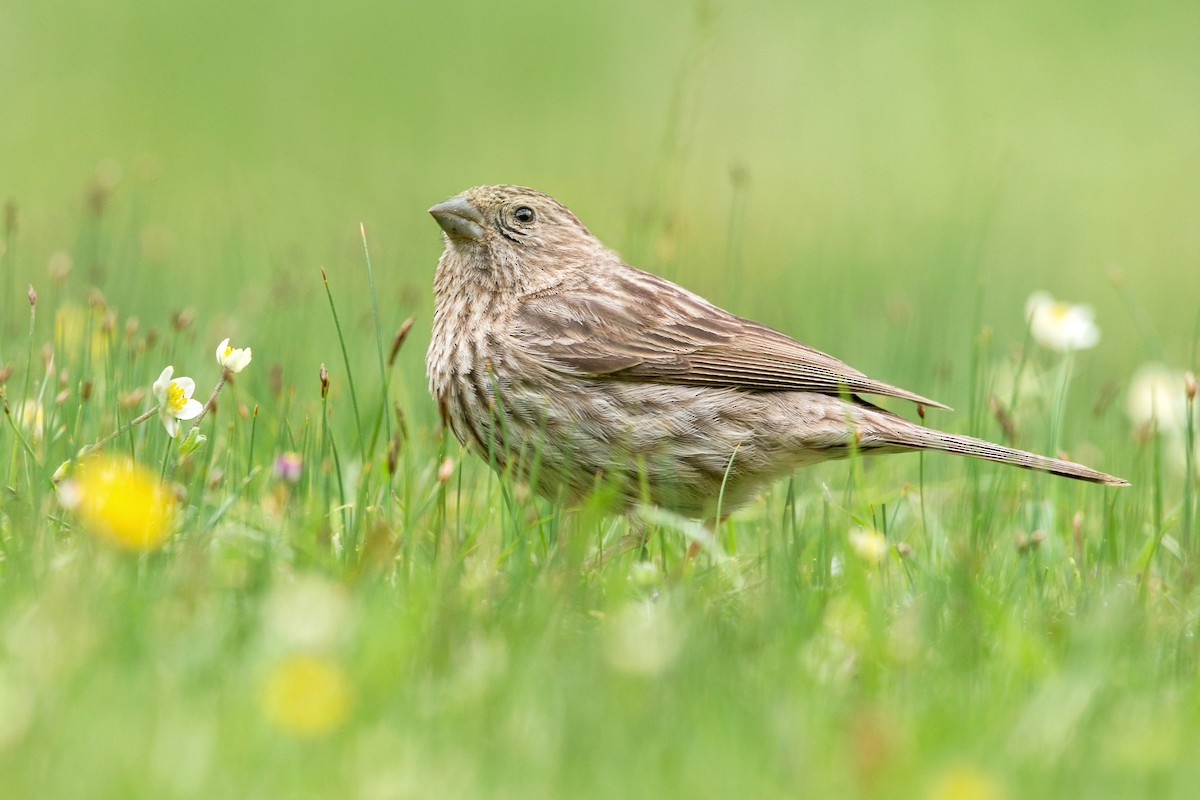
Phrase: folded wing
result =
(638, 327)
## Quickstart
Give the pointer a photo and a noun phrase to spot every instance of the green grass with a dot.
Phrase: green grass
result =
(889, 184)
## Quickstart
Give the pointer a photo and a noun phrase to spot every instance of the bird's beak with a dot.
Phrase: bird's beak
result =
(459, 219)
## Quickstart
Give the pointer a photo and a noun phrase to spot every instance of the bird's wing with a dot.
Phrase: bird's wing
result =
(639, 327)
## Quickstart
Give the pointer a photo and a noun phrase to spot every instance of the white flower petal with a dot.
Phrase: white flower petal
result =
(239, 359)
(191, 409)
(171, 424)
(231, 358)
(1158, 396)
(643, 638)
(160, 385)
(69, 494)
(1061, 326)
(1036, 301)
(187, 385)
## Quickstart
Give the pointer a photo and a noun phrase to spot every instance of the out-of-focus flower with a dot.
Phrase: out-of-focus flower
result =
(643, 638)
(965, 783)
(1061, 326)
(174, 396)
(31, 419)
(233, 359)
(309, 613)
(870, 546)
(1158, 396)
(120, 502)
(289, 466)
(306, 695)
(74, 327)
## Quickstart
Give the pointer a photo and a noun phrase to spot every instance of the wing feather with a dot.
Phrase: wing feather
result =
(640, 327)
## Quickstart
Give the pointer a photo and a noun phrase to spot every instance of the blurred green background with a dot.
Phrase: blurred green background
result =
(890, 156)
(886, 181)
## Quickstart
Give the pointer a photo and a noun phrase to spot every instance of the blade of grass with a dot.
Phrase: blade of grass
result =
(362, 442)
(383, 378)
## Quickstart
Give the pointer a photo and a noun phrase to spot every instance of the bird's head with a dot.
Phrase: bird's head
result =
(513, 235)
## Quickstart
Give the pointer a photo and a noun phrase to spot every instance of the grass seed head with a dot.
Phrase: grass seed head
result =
(398, 340)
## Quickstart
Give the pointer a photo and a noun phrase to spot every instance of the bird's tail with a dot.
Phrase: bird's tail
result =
(910, 436)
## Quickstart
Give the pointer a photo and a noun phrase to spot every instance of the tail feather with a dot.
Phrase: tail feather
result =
(915, 437)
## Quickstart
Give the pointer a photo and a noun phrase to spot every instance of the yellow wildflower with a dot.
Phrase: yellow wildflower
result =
(870, 546)
(307, 695)
(75, 327)
(965, 783)
(120, 502)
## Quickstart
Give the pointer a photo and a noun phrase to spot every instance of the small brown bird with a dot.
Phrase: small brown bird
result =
(574, 371)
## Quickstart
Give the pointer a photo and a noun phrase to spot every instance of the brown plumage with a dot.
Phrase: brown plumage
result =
(555, 360)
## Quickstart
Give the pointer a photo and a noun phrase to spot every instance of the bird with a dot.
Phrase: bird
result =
(574, 372)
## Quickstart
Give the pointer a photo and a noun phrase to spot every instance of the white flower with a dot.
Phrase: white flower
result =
(232, 359)
(308, 613)
(175, 400)
(1061, 326)
(31, 419)
(1158, 395)
(643, 638)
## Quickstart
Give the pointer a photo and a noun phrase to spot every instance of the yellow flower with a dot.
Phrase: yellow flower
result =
(870, 546)
(120, 501)
(72, 324)
(233, 359)
(965, 783)
(306, 695)
(175, 400)
(1061, 326)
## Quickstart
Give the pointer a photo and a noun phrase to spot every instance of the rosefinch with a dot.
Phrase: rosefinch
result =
(572, 370)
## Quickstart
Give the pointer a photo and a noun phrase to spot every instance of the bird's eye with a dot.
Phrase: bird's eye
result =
(523, 214)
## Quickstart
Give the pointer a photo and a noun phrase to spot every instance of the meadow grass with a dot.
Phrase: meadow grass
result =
(347, 604)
